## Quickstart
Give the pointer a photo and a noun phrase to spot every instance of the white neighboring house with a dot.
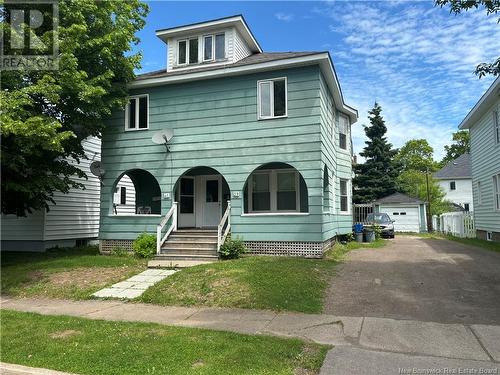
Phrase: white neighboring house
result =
(74, 219)
(409, 214)
(124, 197)
(455, 179)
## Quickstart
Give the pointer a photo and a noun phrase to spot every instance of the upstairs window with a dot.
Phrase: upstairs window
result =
(137, 113)
(343, 131)
(272, 98)
(344, 195)
(214, 50)
(496, 126)
(187, 51)
(453, 185)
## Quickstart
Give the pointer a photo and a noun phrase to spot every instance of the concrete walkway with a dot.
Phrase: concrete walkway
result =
(379, 344)
(134, 286)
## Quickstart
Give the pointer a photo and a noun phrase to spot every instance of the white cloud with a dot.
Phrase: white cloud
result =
(416, 60)
(286, 17)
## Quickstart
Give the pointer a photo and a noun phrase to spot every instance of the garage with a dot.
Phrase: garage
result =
(409, 214)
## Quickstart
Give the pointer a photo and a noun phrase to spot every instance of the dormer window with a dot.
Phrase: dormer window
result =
(187, 51)
(214, 50)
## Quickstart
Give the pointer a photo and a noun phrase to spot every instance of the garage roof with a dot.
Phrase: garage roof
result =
(398, 198)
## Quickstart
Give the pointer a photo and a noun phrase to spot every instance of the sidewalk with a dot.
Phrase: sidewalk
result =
(385, 343)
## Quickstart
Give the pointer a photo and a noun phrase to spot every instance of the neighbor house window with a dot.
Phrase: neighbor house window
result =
(453, 185)
(187, 51)
(344, 195)
(466, 207)
(137, 113)
(496, 191)
(123, 195)
(343, 131)
(274, 191)
(272, 98)
(496, 126)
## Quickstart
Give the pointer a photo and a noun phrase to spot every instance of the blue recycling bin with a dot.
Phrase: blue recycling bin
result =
(358, 228)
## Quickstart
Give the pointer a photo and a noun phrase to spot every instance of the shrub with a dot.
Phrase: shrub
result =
(145, 245)
(232, 249)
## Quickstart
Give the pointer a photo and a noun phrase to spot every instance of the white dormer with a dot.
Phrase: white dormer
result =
(217, 42)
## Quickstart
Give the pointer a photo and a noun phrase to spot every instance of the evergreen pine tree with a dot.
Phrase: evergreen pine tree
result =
(376, 178)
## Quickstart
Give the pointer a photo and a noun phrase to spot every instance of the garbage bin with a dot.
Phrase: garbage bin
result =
(358, 232)
(369, 235)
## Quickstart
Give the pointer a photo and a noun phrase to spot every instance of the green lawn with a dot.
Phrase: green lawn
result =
(99, 347)
(73, 273)
(274, 283)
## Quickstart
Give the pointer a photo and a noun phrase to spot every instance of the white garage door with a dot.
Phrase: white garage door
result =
(406, 219)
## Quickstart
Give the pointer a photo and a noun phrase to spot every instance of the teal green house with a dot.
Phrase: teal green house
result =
(229, 139)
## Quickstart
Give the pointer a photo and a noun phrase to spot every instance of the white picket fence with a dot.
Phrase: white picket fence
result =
(459, 224)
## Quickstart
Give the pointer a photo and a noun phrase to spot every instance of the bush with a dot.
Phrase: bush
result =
(232, 249)
(145, 245)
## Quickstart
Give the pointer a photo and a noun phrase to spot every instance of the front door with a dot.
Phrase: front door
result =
(212, 197)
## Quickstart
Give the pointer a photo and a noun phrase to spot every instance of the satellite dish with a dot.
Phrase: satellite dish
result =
(163, 137)
(96, 169)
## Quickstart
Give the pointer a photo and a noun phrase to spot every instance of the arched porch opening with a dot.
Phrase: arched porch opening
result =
(202, 194)
(136, 192)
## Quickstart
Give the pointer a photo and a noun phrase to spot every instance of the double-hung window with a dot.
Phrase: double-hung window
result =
(137, 113)
(344, 195)
(187, 51)
(496, 126)
(453, 185)
(343, 131)
(496, 191)
(274, 191)
(214, 47)
(272, 98)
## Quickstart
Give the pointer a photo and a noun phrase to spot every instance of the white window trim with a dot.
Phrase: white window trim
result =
(272, 117)
(496, 192)
(496, 128)
(348, 187)
(347, 135)
(178, 52)
(187, 50)
(214, 59)
(273, 191)
(127, 110)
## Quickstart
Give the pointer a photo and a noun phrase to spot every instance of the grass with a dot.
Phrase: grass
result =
(272, 283)
(100, 347)
(488, 245)
(340, 250)
(73, 273)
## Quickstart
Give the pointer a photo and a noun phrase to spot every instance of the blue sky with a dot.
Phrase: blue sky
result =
(415, 59)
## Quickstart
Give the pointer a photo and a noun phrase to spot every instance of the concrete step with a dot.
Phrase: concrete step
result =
(192, 239)
(188, 251)
(177, 263)
(179, 256)
(189, 245)
(197, 231)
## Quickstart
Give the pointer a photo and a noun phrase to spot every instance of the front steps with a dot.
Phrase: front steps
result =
(187, 247)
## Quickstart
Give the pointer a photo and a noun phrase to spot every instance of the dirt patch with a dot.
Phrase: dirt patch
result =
(34, 276)
(308, 351)
(197, 364)
(87, 276)
(64, 334)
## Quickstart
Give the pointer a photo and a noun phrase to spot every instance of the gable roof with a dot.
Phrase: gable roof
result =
(237, 21)
(458, 168)
(398, 198)
(482, 105)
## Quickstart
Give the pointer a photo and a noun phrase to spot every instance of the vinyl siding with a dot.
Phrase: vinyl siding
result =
(338, 162)
(485, 157)
(29, 228)
(462, 193)
(215, 125)
(76, 214)
(129, 207)
(240, 49)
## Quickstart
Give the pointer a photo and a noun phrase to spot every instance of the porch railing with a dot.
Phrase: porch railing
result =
(224, 226)
(172, 213)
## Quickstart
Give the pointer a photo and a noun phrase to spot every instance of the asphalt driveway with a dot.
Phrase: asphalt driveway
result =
(419, 279)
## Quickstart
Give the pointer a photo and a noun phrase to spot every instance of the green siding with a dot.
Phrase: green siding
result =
(485, 158)
(215, 125)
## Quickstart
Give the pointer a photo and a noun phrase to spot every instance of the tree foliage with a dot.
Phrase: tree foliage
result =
(416, 155)
(46, 114)
(460, 146)
(376, 177)
(492, 7)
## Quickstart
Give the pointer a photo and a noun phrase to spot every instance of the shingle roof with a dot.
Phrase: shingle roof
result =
(399, 198)
(458, 168)
(256, 58)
